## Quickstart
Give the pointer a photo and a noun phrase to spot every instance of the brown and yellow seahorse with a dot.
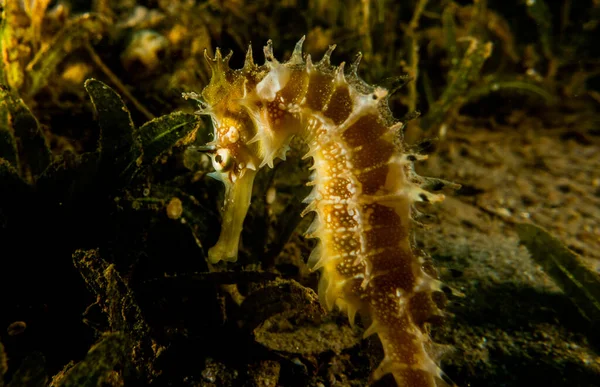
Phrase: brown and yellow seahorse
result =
(364, 187)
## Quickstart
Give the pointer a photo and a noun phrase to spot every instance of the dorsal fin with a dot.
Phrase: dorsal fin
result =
(227, 58)
(297, 53)
(249, 60)
(339, 75)
(327, 56)
(354, 66)
(268, 51)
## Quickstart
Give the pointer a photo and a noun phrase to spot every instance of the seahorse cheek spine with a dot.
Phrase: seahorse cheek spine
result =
(363, 183)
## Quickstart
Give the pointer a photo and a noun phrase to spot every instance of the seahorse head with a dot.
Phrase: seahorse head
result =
(223, 100)
(253, 117)
(234, 156)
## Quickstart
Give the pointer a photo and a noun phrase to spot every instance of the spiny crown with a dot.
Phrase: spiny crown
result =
(223, 78)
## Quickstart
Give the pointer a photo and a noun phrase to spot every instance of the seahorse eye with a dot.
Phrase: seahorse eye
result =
(222, 160)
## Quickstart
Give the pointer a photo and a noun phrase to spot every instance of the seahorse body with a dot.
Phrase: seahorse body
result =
(364, 188)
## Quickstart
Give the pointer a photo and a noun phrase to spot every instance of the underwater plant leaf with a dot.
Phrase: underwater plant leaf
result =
(8, 144)
(77, 32)
(10, 181)
(34, 154)
(538, 10)
(118, 146)
(511, 86)
(118, 302)
(190, 281)
(37, 13)
(10, 42)
(449, 28)
(578, 282)
(3, 365)
(91, 267)
(68, 177)
(161, 134)
(468, 69)
(31, 372)
(104, 281)
(100, 360)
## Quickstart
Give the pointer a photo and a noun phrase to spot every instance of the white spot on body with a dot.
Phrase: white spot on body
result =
(233, 135)
(273, 82)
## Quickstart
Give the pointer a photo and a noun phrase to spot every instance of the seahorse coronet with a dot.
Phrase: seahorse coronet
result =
(364, 190)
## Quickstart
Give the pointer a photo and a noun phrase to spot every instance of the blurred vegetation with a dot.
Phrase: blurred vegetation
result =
(580, 283)
(103, 211)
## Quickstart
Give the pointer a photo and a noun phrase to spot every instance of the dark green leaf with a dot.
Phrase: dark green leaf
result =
(117, 301)
(101, 359)
(513, 86)
(8, 145)
(162, 133)
(465, 72)
(103, 280)
(539, 11)
(3, 365)
(70, 176)
(577, 281)
(10, 181)
(119, 149)
(32, 372)
(17, 123)
(34, 152)
(78, 31)
(449, 26)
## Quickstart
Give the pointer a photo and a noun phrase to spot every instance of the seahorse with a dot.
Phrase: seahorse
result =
(364, 190)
